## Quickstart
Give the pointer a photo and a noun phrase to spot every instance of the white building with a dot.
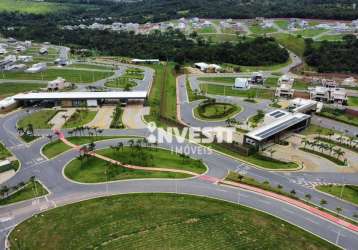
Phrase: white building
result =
(43, 51)
(36, 68)
(242, 83)
(286, 79)
(20, 48)
(209, 68)
(57, 84)
(284, 90)
(15, 67)
(2, 51)
(339, 95)
(327, 83)
(7, 104)
(302, 105)
(320, 93)
(24, 59)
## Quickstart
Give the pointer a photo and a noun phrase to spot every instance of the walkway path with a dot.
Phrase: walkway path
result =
(58, 120)
(103, 118)
(133, 116)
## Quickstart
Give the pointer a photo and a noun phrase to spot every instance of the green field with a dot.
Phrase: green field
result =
(283, 24)
(71, 75)
(221, 79)
(160, 221)
(350, 193)
(11, 88)
(31, 190)
(309, 33)
(38, 119)
(121, 82)
(207, 30)
(353, 101)
(57, 147)
(300, 85)
(258, 30)
(80, 118)
(229, 91)
(330, 38)
(314, 129)
(291, 42)
(31, 6)
(271, 82)
(89, 66)
(216, 111)
(96, 170)
(134, 73)
(221, 38)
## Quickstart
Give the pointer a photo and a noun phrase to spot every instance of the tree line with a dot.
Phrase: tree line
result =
(333, 56)
(172, 45)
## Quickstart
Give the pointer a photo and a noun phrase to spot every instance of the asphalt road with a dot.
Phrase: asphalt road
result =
(64, 191)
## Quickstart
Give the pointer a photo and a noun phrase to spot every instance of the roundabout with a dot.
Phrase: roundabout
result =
(216, 111)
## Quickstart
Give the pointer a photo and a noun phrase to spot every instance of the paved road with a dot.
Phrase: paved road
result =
(63, 191)
(49, 172)
(335, 125)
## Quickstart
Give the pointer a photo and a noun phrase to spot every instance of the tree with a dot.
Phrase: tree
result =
(305, 142)
(30, 129)
(50, 137)
(308, 196)
(323, 202)
(339, 210)
(293, 192)
(271, 151)
(279, 186)
(4, 190)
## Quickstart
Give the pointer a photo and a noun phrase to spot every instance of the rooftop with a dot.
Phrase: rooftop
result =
(281, 123)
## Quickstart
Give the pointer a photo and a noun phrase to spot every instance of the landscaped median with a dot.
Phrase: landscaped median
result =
(56, 147)
(133, 162)
(247, 183)
(21, 192)
(346, 192)
(160, 221)
(214, 111)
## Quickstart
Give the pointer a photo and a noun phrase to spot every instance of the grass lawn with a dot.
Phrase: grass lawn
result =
(192, 96)
(134, 73)
(222, 79)
(273, 67)
(4, 152)
(330, 38)
(350, 193)
(229, 91)
(291, 42)
(162, 97)
(31, 6)
(38, 119)
(206, 30)
(308, 33)
(257, 159)
(221, 38)
(94, 169)
(216, 111)
(28, 138)
(258, 30)
(71, 75)
(80, 118)
(11, 88)
(121, 82)
(300, 85)
(160, 221)
(339, 115)
(30, 190)
(314, 129)
(57, 147)
(89, 66)
(283, 24)
(353, 101)
(271, 82)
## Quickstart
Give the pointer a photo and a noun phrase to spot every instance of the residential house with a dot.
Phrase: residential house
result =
(36, 68)
(242, 83)
(57, 84)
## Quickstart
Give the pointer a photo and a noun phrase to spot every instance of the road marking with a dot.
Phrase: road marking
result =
(5, 219)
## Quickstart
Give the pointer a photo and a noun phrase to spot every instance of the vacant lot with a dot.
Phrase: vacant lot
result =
(160, 221)
(229, 91)
(96, 170)
(9, 89)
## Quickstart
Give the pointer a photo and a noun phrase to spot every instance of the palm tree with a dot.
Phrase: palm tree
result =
(339, 152)
(65, 117)
(293, 192)
(120, 145)
(92, 146)
(4, 190)
(308, 196)
(271, 151)
(323, 202)
(131, 143)
(50, 137)
(305, 142)
(339, 210)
